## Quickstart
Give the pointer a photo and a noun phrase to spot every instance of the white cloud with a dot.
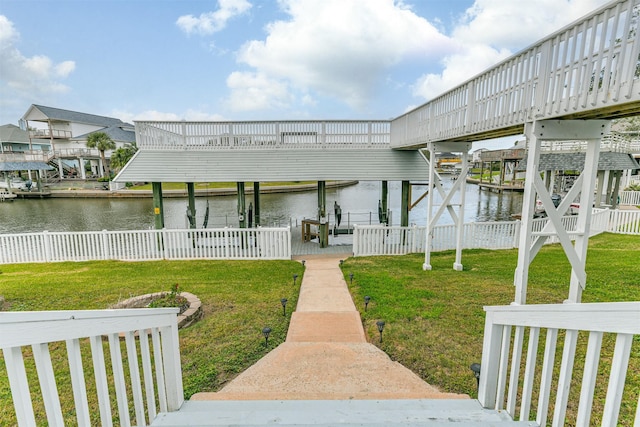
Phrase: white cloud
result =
(28, 76)
(337, 49)
(492, 30)
(211, 22)
(154, 115)
(256, 91)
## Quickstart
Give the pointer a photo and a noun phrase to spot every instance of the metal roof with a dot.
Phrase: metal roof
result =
(274, 165)
(575, 161)
(24, 166)
(12, 133)
(118, 133)
(59, 114)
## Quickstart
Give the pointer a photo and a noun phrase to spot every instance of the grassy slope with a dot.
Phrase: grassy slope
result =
(434, 320)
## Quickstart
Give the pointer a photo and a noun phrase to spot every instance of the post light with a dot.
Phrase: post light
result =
(283, 301)
(366, 302)
(341, 262)
(380, 324)
(351, 277)
(266, 331)
(475, 367)
(295, 277)
(303, 262)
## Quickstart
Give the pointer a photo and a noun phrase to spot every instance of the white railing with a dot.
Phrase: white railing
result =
(135, 245)
(630, 198)
(587, 67)
(260, 135)
(612, 142)
(382, 240)
(151, 341)
(503, 350)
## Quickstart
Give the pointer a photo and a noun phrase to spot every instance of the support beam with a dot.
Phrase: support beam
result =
(242, 209)
(446, 204)
(191, 208)
(158, 209)
(384, 204)
(256, 203)
(529, 244)
(404, 204)
(323, 228)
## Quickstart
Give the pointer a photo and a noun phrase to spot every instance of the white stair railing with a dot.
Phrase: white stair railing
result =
(153, 381)
(503, 385)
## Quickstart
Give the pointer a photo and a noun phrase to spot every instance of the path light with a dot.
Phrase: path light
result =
(303, 262)
(475, 367)
(341, 262)
(295, 277)
(366, 302)
(380, 324)
(283, 301)
(266, 331)
(351, 277)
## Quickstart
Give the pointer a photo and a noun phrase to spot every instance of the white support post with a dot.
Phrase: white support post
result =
(436, 185)
(557, 130)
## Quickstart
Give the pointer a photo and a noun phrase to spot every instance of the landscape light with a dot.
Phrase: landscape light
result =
(283, 301)
(266, 331)
(295, 277)
(380, 324)
(475, 367)
(351, 277)
(366, 302)
(341, 262)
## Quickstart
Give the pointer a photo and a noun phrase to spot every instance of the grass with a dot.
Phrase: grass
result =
(239, 298)
(435, 320)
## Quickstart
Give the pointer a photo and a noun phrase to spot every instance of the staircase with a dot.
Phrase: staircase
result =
(327, 374)
(344, 413)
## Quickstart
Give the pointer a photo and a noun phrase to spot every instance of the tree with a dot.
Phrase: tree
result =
(102, 142)
(122, 155)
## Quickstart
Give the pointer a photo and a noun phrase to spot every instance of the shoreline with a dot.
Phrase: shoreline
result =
(132, 194)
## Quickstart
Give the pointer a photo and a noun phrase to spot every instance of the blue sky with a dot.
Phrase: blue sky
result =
(257, 59)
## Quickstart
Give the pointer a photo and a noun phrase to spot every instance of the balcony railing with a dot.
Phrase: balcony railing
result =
(261, 135)
(49, 133)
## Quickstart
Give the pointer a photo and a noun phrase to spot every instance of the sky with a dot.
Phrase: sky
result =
(202, 60)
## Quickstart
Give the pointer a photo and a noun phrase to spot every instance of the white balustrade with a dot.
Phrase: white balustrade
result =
(630, 198)
(145, 245)
(503, 385)
(260, 135)
(150, 337)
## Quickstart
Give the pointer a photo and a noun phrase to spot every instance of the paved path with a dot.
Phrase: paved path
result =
(326, 354)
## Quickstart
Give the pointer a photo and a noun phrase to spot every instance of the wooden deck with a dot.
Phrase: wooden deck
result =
(341, 244)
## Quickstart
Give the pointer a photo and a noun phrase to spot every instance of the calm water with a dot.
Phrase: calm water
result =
(358, 202)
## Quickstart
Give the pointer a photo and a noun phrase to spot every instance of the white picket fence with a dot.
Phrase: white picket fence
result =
(504, 386)
(381, 240)
(51, 338)
(630, 198)
(145, 245)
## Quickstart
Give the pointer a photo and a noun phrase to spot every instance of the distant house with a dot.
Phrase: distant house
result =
(66, 133)
(16, 140)
(476, 156)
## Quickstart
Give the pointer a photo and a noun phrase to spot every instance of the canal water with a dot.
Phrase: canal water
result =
(359, 205)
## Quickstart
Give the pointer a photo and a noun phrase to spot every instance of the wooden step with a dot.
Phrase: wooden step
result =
(343, 413)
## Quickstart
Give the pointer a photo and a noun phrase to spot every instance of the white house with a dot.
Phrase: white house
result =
(67, 132)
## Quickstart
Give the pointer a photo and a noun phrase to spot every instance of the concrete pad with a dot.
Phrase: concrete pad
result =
(325, 299)
(326, 327)
(326, 371)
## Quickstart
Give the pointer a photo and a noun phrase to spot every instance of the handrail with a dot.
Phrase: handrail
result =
(151, 341)
(589, 69)
(504, 386)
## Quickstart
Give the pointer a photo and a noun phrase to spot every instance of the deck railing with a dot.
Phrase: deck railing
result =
(144, 245)
(57, 337)
(261, 135)
(630, 198)
(587, 68)
(382, 240)
(504, 345)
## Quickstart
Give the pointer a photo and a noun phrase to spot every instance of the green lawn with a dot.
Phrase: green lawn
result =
(434, 319)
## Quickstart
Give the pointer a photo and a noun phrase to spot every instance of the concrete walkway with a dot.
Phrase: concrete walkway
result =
(326, 354)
